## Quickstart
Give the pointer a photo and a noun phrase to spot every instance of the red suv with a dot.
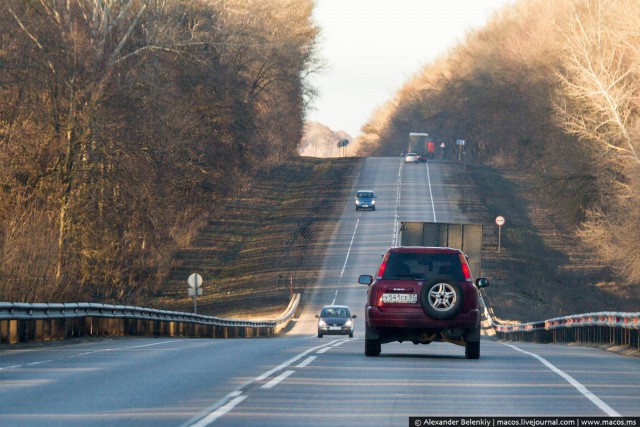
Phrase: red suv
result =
(423, 294)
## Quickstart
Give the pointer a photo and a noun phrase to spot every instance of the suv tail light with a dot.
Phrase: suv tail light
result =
(376, 296)
(465, 268)
(383, 266)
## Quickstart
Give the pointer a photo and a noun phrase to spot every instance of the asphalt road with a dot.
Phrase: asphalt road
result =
(301, 380)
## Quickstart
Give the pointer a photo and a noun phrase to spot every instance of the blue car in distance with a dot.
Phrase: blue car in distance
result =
(365, 199)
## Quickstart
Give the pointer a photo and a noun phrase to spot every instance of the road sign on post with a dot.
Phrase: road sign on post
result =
(460, 143)
(195, 288)
(500, 223)
(343, 144)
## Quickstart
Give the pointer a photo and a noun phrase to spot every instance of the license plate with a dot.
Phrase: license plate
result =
(334, 328)
(400, 298)
(365, 206)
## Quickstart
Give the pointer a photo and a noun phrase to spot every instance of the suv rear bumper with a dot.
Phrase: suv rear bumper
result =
(415, 318)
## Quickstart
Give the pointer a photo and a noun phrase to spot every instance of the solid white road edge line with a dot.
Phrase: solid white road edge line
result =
(582, 389)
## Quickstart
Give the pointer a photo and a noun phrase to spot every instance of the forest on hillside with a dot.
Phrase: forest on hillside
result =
(551, 87)
(123, 123)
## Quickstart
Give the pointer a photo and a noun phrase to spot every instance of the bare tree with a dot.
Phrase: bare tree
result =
(599, 78)
(600, 83)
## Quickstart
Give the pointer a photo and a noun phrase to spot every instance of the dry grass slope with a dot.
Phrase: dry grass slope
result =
(270, 234)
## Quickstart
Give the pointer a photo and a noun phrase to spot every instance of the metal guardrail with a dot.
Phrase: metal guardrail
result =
(603, 328)
(23, 322)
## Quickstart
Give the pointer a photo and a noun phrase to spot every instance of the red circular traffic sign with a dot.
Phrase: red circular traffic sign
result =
(500, 221)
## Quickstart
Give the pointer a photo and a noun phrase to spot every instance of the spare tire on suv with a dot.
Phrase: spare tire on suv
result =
(441, 298)
(423, 294)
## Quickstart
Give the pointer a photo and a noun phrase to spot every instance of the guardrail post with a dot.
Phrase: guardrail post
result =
(101, 326)
(46, 330)
(89, 326)
(14, 338)
(26, 329)
(37, 330)
(68, 328)
(57, 329)
(162, 328)
(4, 331)
(129, 326)
(50, 329)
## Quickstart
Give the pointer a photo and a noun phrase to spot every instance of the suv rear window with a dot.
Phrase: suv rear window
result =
(422, 266)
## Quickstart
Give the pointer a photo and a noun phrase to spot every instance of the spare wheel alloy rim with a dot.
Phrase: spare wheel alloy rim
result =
(442, 297)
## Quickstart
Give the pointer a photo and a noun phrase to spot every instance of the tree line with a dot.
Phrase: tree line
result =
(124, 122)
(551, 87)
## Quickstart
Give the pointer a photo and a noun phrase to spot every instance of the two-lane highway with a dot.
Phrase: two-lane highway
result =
(299, 379)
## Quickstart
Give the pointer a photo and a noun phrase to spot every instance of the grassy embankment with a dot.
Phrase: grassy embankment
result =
(268, 239)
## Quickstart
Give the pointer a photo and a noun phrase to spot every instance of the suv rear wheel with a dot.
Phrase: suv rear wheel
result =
(472, 349)
(441, 298)
(372, 347)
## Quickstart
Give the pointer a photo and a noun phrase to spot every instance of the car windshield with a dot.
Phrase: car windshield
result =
(334, 312)
(422, 266)
(365, 195)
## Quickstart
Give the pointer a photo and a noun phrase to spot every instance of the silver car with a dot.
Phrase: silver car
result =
(335, 320)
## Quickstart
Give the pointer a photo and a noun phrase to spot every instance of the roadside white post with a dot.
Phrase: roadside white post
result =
(500, 223)
(195, 288)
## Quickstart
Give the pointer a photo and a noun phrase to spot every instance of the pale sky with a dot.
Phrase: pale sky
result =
(372, 47)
